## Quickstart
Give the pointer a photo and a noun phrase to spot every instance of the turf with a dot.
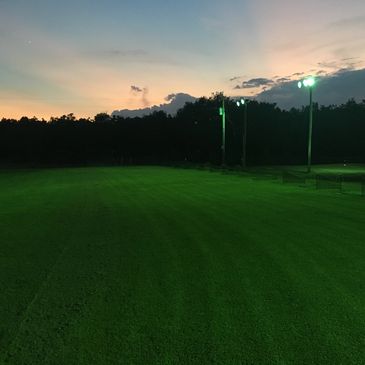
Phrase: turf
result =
(153, 265)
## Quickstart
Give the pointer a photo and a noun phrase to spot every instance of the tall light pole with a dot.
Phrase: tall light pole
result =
(244, 135)
(222, 113)
(309, 82)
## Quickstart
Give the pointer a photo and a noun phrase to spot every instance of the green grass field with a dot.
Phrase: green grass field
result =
(153, 265)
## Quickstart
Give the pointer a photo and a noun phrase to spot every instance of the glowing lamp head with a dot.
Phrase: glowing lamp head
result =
(308, 82)
(238, 103)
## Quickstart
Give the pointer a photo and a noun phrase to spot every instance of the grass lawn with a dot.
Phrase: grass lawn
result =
(153, 265)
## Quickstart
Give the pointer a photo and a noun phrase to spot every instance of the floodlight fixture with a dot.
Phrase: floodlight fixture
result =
(244, 103)
(309, 83)
(222, 113)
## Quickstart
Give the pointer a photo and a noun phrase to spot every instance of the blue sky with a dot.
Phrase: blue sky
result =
(83, 56)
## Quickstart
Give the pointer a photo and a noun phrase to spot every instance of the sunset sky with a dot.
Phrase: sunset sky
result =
(90, 56)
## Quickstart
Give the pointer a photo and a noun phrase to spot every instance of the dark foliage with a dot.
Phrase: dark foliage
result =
(274, 136)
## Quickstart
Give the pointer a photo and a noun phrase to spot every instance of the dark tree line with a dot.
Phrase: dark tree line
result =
(274, 136)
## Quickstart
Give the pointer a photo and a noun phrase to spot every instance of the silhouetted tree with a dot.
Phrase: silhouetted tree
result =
(102, 118)
(275, 136)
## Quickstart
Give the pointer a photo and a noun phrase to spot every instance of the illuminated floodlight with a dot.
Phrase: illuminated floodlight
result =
(308, 82)
(220, 111)
(244, 103)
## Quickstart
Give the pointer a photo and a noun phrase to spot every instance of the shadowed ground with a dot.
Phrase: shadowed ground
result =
(154, 265)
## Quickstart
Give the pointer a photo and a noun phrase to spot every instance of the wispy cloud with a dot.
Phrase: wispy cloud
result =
(283, 79)
(255, 83)
(351, 63)
(324, 69)
(235, 78)
(175, 101)
(134, 55)
(136, 89)
(329, 64)
(335, 88)
(351, 22)
(321, 72)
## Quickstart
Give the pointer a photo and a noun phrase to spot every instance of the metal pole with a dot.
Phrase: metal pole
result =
(310, 129)
(223, 133)
(244, 145)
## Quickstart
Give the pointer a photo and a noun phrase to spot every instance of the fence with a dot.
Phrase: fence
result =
(289, 177)
(346, 184)
(329, 182)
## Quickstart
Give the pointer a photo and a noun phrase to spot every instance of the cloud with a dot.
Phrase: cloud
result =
(253, 83)
(136, 89)
(335, 88)
(350, 58)
(235, 78)
(356, 21)
(175, 102)
(283, 79)
(329, 64)
(134, 55)
(145, 101)
(170, 97)
(59, 75)
(341, 39)
(344, 69)
(347, 64)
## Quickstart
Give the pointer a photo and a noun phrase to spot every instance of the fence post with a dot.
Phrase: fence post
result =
(341, 180)
(317, 181)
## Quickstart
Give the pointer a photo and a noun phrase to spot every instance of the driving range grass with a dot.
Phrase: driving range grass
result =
(154, 265)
